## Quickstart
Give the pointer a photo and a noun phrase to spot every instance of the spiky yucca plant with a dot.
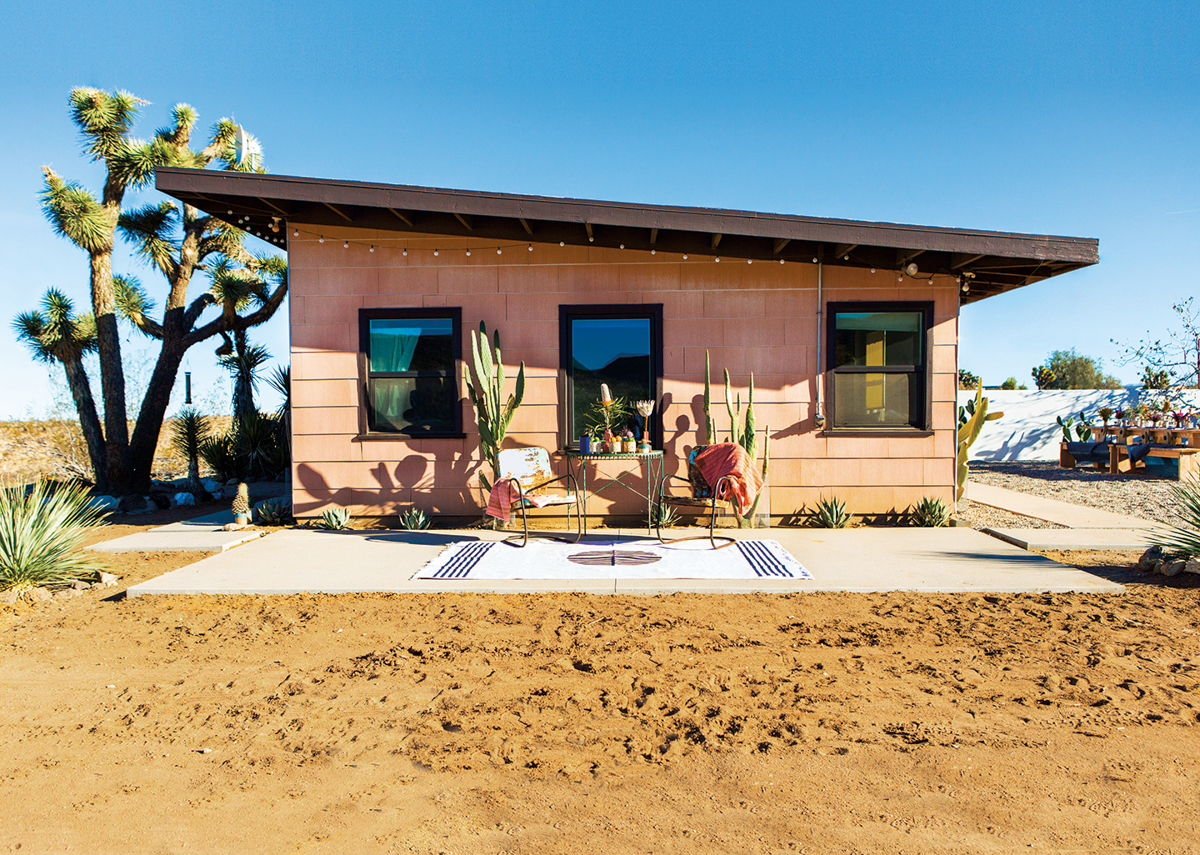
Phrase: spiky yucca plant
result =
(188, 434)
(334, 519)
(831, 513)
(40, 533)
(1183, 541)
(930, 513)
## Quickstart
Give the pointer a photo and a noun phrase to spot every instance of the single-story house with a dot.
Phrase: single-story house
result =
(850, 330)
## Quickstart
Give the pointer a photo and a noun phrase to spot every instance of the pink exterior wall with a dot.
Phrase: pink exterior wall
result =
(759, 317)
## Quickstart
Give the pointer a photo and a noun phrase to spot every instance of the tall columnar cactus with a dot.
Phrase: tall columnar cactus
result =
(710, 427)
(744, 434)
(485, 388)
(971, 423)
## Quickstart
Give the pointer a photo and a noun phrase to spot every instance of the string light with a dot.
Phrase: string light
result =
(872, 269)
(372, 247)
(685, 256)
(622, 246)
(435, 252)
(468, 253)
(321, 239)
(295, 233)
(654, 252)
(749, 260)
(531, 247)
(562, 243)
(405, 252)
(499, 251)
(717, 259)
(781, 261)
(345, 244)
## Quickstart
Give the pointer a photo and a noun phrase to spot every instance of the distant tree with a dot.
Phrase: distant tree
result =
(1073, 370)
(178, 241)
(967, 380)
(1178, 354)
(1010, 384)
(1152, 379)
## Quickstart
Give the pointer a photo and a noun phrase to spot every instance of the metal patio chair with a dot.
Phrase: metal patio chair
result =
(530, 469)
(701, 496)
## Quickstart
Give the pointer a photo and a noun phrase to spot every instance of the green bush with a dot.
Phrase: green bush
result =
(40, 532)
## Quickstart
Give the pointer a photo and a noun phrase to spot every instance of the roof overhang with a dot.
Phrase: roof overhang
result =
(990, 262)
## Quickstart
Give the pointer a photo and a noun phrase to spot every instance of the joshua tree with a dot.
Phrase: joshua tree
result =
(177, 240)
(243, 363)
(57, 334)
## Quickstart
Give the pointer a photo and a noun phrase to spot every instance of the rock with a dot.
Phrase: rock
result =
(1192, 566)
(232, 482)
(9, 596)
(108, 579)
(39, 594)
(182, 499)
(211, 486)
(135, 505)
(1172, 568)
(1149, 558)
(105, 503)
(233, 526)
(161, 499)
(81, 586)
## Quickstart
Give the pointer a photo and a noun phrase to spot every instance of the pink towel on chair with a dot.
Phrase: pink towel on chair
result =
(503, 495)
(728, 458)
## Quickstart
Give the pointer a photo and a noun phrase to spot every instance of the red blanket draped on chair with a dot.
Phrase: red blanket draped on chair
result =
(729, 458)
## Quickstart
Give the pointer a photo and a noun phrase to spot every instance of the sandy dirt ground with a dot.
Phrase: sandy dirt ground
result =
(574, 723)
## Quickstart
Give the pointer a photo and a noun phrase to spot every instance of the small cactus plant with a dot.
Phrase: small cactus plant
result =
(831, 513)
(334, 519)
(930, 513)
(414, 519)
(241, 504)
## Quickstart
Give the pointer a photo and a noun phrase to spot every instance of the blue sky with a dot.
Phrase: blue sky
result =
(1060, 118)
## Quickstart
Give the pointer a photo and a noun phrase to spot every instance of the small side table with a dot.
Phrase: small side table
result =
(653, 462)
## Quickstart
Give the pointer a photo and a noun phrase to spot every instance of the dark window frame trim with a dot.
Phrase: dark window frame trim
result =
(567, 312)
(365, 316)
(926, 307)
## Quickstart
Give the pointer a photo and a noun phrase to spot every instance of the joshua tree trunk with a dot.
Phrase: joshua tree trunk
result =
(150, 419)
(112, 376)
(89, 422)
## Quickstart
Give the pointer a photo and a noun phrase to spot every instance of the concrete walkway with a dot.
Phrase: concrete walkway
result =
(946, 560)
(201, 534)
(1087, 528)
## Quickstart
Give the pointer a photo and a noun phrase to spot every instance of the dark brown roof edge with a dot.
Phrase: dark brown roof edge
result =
(298, 189)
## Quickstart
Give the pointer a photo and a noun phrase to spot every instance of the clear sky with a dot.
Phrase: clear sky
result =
(1077, 119)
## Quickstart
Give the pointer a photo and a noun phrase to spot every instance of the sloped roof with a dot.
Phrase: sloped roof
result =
(993, 262)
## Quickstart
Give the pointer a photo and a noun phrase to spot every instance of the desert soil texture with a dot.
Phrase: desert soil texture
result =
(573, 723)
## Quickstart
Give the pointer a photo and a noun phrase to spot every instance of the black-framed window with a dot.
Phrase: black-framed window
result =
(412, 367)
(878, 360)
(620, 345)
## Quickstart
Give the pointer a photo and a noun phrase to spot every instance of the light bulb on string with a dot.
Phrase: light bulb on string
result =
(295, 233)
(372, 247)
(499, 251)
(654, 252)
(321, 239)
(345, 244)
(435, 253)
(717, 259)
(562, 243)
(781, 261)
(685, 256)
(405, 252)
(468, 253)
(531, 247)
(749, 260)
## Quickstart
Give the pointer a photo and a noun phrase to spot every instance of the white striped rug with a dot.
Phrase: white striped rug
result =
(548, 559)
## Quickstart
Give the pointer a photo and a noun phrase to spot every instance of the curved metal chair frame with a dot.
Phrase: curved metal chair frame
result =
(524, 536)
(712, 501)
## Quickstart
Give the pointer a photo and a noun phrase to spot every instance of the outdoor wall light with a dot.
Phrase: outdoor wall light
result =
(275, 224)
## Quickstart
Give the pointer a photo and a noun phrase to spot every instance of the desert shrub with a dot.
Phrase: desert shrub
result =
(930, 513)
(414, 519)
(40, 532)
(1183, 541)
(831, 513)
(254, 448)
(664, 516)
(273, 512)
(334, 519)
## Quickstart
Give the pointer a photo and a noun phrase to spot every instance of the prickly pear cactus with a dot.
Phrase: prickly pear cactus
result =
(241, 502)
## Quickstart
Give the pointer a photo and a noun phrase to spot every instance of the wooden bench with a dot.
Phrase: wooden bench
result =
(1118, 460)
(1072, 454)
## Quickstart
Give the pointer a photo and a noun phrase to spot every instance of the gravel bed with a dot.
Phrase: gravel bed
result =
(1137, 495)
(984, 516)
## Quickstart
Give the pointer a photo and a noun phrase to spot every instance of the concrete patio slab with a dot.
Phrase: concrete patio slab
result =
(934, 560)
(1052, 510)
(200, 534)
(1074, 538)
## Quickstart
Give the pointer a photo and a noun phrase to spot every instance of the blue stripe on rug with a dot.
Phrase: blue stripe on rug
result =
(464, 562)
(764, 562)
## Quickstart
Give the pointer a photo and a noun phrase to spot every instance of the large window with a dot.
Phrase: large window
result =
(877, 364)
(618, 345)
(412, 358)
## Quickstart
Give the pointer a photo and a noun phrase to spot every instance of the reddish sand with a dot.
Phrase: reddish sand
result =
(574, 723)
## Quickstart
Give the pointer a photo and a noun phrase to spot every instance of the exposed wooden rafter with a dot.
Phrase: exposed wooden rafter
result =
(904, 256)
(466, 221)
(341, 214)
(406, 220)
(525, 225)
(653, 236)
(716, 239)
(591, 236)
(962, 259)
(844, 249)
(779, 244)
(271, 204)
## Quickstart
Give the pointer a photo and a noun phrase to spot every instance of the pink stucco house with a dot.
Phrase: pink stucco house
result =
(849, 328)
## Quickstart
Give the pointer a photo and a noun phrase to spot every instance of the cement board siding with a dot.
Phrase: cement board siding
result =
(761, 318)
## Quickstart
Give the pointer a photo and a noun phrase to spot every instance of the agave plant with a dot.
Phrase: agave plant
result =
(273, 512)
(40, 532)
(1183, 541)
(664, 516)
(334, 519)
(831, 513)
(930, 513)
(414, 519)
